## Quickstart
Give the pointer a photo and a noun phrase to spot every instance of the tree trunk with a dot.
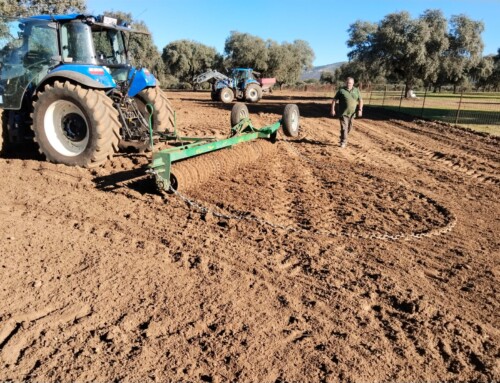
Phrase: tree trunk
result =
(408, 89)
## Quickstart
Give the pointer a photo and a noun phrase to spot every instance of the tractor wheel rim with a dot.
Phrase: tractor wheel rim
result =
(66, 128)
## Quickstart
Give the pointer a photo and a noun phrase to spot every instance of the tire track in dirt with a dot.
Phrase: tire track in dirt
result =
(461, 140)
(469, 166)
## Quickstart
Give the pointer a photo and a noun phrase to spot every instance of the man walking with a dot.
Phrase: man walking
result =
(348, 98)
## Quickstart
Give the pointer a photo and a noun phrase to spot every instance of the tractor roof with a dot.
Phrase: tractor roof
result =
(103, 21)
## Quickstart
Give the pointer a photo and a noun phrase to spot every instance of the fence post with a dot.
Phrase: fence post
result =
(459, 106)
(383, 99)
(401, 99)
(423, 104)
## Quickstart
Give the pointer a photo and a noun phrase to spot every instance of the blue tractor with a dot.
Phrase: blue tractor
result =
(242, 84)
(67, 83)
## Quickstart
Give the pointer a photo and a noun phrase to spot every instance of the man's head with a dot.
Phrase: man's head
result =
(349, 83)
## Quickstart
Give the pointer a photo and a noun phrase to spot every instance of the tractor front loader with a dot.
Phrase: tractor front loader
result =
(244, 84)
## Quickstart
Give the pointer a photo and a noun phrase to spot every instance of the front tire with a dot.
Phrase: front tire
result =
(75, 126)
(226, 95)
(163, 114)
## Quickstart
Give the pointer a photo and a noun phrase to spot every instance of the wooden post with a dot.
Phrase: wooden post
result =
(423, 104)
(401, 99)
(459, 106)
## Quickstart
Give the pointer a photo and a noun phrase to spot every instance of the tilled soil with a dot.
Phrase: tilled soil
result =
(377, 262)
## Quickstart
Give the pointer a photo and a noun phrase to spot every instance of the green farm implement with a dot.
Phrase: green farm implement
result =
(207, 155)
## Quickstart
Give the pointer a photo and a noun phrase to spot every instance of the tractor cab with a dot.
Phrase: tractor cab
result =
(28, 49)
(90, 50)
(243, 77)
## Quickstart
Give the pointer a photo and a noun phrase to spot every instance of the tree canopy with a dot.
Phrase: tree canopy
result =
(425, 49)
(184, 59)
(34, 7)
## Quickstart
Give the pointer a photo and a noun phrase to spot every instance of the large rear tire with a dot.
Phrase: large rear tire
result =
(226, 95)
(4, 134)
(253, 93)
(75, 126)
(290, 120)
(163, 114)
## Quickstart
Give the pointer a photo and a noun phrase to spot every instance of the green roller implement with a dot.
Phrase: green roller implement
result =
(188, 161)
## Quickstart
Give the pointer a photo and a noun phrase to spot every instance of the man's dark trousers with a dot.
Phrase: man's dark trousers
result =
(345, 128)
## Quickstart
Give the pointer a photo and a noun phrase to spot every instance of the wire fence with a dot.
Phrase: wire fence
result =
(476, 110)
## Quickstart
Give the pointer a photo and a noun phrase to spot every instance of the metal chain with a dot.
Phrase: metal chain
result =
(451, 221)
(381, 236)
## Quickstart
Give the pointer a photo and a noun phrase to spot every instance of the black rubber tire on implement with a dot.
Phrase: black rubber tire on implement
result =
(163, 114)
(4, 134)
(291, 120)
(75, 126)
(253, 93)
(238, 113)
(226, 95)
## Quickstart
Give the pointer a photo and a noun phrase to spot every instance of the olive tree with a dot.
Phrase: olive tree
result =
(34, 7)
(464, 51)
(185, 59)
(246, 50)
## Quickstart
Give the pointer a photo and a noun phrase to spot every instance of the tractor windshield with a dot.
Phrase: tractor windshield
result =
(109, 45)
(92, 44)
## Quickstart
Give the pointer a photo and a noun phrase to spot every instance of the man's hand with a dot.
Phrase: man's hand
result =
(360, 113)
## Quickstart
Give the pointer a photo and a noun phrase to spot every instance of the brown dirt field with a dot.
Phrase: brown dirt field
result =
(379, 262)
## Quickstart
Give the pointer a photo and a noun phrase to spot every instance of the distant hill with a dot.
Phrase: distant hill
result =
(316, 71)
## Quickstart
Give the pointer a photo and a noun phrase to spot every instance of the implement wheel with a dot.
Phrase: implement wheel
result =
(75, 126)
(238, 113)
(290, 120)
(226, 95)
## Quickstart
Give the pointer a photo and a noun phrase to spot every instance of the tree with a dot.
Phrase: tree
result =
(409, 50)
(493, 80)
(436, 45)
(34, 7)
(327, 77)
(245, 50)
(358, 70)
(184, 59)
(480, 74)
(464, 50)
(287, 61)
(362, 36)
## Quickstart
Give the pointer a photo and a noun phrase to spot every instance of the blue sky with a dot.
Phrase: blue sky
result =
(322, 23)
